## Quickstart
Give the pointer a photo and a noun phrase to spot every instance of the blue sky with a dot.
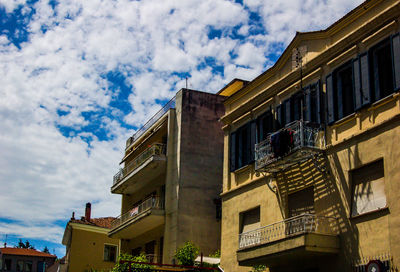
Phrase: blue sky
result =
(79, 77)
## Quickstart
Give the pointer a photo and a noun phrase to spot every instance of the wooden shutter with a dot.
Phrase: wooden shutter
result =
(233, 151)
(319, 108)
(252, 140)
(330, 99)
(357, 84)
(365, 84)
(339, 95)
(307, 104)
(287, 112)
(279, 116)
(396, 60)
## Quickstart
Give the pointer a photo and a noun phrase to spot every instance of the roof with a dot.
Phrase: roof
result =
(102, 222)
(25, 252)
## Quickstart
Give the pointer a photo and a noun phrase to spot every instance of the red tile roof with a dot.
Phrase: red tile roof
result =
(25, 252)
(103, 222)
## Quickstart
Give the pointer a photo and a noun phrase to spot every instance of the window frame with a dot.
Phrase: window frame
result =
(104, 252)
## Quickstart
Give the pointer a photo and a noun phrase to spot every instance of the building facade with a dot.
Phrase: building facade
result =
(171, 180)
(311, 150)
(24, 259)
(87, 244)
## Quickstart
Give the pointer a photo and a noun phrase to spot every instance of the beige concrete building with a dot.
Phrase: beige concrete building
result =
(312, 147)
(171, 179)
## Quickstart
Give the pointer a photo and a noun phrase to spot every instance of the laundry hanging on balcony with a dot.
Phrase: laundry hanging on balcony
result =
(282, 142)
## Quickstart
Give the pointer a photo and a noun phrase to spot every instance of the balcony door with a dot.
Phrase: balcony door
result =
(300, 203)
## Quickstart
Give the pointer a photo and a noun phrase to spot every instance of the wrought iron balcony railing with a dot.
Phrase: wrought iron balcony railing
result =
(154, 202)
(170, 105)
(301, 224)
(295, 136)
(154, 149)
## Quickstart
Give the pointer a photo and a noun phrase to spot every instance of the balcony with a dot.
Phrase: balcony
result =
(298, 238)
(146, 166)
(297, 142)
(143, 217)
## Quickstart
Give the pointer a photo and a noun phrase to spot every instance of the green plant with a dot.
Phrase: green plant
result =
(217, 254)
(187, 254)
(124, 267)
(258, 268)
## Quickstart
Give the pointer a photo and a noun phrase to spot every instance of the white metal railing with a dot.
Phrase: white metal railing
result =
(154, 149)
(154, 202)
(305, 223)
(170, 105)
(294, 136)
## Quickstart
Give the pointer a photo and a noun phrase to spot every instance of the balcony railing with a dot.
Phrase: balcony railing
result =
(301, 224)
(153, 202)
(155, 149)
(295, 136)
(152, 120)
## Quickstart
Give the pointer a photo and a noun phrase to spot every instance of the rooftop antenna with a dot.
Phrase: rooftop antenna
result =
(186, 82)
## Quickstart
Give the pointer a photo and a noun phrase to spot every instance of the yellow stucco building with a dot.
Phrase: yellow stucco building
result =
(87, 244)
(311, 152)
(170, 180)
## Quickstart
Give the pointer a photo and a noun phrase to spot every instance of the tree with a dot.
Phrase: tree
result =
(187, 254)
(25, 245)
(46, 250)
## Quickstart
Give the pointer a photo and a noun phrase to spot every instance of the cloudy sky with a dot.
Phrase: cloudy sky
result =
(79, 77)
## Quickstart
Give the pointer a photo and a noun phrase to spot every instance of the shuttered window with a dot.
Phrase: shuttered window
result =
(312, 103)
(396, 60)
(264, 125)
(344, 87)
(250, 220)
(242, 143)
(368, 188)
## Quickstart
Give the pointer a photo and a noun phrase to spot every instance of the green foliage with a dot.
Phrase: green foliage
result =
(259, 268)
(24, 245)
(124, 267)
(46, 250)
(217, 254)
(187, 254)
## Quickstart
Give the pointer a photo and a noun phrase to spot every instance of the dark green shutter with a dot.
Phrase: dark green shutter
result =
(330, 99)
(365, 84)
(339, 96)
(357, 84)
(319, 109)
(396, 60)
(233, 151)
(279, 116)
(287, 112)
(307, 104)
(252, 140)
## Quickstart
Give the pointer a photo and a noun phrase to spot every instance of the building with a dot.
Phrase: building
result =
(170, 179)
(24, 259)
(311, 147)
(87, 244)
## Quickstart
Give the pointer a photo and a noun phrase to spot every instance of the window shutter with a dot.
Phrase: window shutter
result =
(396, 61)
(330, 99)
(339, 97)
(252, 141)
(287, 111)
(233, 152)
(319, 109)
(308, 104)
(279, 116)
(365, 85)
(357, 84)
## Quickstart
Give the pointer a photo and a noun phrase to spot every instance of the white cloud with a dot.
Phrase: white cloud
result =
(45, 175)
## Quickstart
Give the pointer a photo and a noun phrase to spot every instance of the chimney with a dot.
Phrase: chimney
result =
(88, 211)
(73, 216)
(5, 244)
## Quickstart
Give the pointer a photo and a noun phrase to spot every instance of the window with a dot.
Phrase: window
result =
(28, 266)
(382, 70)
(110, 253)
(264, 126)
(242, 144)
(368, 188)
(301, 202)
(20, 266)
(312, 102)
(249, 220)
(7, 264)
